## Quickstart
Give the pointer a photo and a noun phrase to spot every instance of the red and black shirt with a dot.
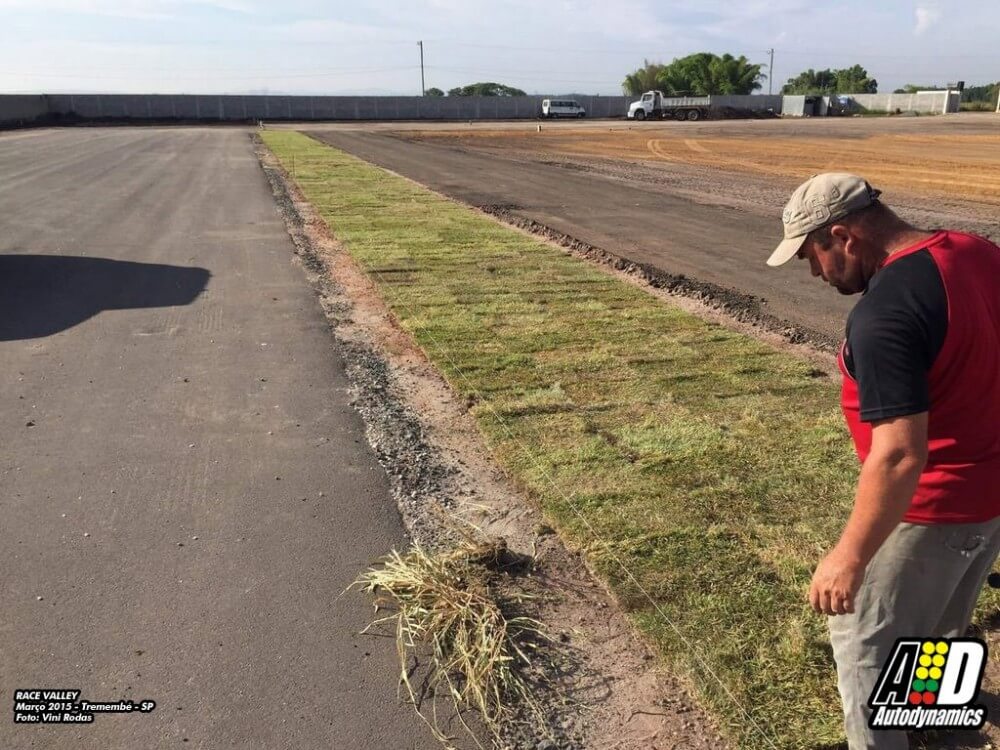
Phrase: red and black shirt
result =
(926, 337)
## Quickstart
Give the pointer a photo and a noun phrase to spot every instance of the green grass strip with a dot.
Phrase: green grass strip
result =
(715, 468)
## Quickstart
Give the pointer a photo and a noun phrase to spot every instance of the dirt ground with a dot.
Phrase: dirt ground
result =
(953, 158)
(698, 204)
(942, 169)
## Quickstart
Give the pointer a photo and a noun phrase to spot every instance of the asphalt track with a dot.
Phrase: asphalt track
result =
(184, 487)
(721, 245)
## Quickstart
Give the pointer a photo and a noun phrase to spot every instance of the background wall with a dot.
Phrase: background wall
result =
(757, 103)
(349, 107)
(17, 110)
(115, 106)
(931, 101)
(25, 109)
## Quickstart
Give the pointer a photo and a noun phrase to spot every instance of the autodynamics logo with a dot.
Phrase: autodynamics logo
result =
(930, 684)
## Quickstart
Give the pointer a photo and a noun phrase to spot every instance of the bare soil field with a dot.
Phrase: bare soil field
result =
(954, 159)
(699, 202)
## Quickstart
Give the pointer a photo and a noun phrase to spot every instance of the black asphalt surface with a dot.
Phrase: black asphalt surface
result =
(724, 246)
(185, 489)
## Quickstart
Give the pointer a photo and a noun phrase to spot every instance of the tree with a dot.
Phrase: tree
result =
(685, 75)
(812, 82)
(912, 88)
(853, 80)
(487, 88)
(987, 93)
(704, 73)
(732, 75)
(433, 92)
(643, 79)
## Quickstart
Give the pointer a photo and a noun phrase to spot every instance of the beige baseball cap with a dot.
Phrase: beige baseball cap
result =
(821, 199)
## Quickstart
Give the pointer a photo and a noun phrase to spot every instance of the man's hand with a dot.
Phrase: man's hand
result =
(835, 584)
(885, 488)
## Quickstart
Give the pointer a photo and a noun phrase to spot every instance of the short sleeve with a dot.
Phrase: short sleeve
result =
(894, 335)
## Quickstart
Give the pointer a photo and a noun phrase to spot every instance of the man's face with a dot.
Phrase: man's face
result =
(833, 261)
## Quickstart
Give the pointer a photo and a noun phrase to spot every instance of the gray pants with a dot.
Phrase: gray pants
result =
(923, 582)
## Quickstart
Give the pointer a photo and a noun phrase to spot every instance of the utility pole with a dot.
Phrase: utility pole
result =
(770, 72)
(423, 89)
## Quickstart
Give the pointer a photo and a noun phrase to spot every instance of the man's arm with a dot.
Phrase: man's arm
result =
(886, 485)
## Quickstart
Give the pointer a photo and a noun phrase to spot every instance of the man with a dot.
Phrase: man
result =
(921, 395)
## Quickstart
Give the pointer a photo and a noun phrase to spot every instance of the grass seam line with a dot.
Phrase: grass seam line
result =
(567, 497)
(590, 528)
(604, 268)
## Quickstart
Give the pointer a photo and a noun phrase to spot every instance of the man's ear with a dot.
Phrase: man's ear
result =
(842, 235)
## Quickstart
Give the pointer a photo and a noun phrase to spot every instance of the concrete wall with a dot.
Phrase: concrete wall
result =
(922, 101)
(237, 108)
(756, 103)
(795, 106)
(26, 109)
(142, 107)
(812, 105)
(929, 101)
(17, 109)
(20, 110)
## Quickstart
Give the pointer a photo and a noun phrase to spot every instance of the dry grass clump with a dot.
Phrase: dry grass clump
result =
(460, 608)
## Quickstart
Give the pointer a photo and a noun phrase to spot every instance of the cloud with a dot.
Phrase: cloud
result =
(335, 32)
(926, 17)
(141, 9)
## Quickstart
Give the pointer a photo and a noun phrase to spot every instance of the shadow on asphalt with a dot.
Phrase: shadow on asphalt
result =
(41, 295)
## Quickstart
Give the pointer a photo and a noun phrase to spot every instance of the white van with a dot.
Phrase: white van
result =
(562, 108)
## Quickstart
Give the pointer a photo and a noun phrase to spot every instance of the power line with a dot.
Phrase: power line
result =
(207, 74)
(525, 74)
(862, 55)
(536, 75)
(770, 71)
(561, 50)
(423, 86)
(632, 53)
(202, 69)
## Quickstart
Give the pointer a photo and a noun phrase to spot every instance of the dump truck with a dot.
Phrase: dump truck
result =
(657, 106)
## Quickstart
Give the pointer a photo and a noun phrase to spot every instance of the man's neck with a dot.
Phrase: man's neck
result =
(901, 239)
(906, 238)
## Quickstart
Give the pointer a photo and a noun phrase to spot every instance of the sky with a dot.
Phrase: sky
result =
(541, 46)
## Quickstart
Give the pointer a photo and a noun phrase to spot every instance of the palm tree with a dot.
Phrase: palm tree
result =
(734, 75)
(704, 73)
(643, 79)
(687, 76)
